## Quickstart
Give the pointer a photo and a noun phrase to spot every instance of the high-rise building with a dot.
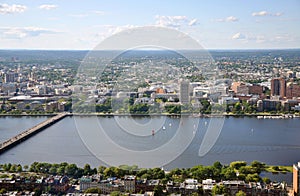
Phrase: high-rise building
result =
(278, 87)
(296, 179)
(184, 91)
(10, 77)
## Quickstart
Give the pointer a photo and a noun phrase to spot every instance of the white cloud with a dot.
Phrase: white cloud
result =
(193, 22)
(261, 13)
(231, 19)
(238, 36)
(174, 21)
(78, 15)
(247, 38)
(109, 30)
(170, 21)
(98, 12)
(228, 19)
(23, 32)
(260, 39)
(48, 7)
(277, 14)
(11, 9)
(265, 13)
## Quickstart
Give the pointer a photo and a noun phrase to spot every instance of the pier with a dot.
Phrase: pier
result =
(30, 132)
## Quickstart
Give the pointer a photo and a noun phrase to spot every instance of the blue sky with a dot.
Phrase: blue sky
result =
(215, 24)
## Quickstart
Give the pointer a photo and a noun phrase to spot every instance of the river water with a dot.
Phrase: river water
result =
(12, 125)
(155, 141)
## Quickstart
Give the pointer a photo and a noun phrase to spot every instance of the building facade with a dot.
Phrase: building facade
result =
(184, 91)
(296, 179)
(278, 87)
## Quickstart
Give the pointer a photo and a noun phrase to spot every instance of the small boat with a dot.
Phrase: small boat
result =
(170, 124)
(163, 127)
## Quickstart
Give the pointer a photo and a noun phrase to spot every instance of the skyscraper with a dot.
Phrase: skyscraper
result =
(184, 91)
(278, 87)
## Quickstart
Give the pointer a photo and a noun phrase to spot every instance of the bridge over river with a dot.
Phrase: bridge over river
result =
(30, 132)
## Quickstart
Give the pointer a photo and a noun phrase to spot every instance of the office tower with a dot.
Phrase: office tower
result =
(184, 91)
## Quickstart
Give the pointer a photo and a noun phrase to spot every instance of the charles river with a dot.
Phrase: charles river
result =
(154, 141)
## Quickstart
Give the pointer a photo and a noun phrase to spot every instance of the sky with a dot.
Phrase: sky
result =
(215, 24)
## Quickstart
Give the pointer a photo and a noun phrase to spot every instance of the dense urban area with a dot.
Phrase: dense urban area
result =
(262, 83)
(231, 82)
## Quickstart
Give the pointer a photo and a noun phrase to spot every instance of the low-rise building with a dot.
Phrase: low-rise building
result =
(129, 184)
(208, 184)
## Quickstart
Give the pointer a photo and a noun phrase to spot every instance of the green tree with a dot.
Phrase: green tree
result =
(19, 168)
(218, 190)
(237, 108)
(26, 167)
(110, 172)
(141, 172)
(173, 109)
(101, 169)
(238, 164)
(2, 191)
(240, 193)
(87, 169)
(266, 180)
(258, 167)
(93, 190)
(71, 169)
(228, 173)
(157, 173)
(53, 170)
(217, 165)
(246, 170)
(158, 190)
(205, 105)
(6, 167)
(116, 193)
(13, 168)
(139, 108)
(253, 178)
(4, 176)
(61, 170)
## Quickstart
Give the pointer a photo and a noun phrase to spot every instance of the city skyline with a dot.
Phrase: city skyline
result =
(214, 24)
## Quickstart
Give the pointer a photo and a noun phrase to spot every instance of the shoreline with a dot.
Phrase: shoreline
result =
(169, 115)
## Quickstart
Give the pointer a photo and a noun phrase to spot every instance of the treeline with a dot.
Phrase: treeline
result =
(238, 170)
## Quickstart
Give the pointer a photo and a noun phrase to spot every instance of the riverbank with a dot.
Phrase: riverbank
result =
(20, 115)
(257, 115)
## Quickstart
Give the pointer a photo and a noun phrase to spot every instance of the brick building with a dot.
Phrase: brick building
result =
(278, 87)
(292, 90)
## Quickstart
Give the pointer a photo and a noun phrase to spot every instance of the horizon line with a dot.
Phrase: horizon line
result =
(210, 49)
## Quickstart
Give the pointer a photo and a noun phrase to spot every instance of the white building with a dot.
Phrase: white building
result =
(228, 100)
(208, 184)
